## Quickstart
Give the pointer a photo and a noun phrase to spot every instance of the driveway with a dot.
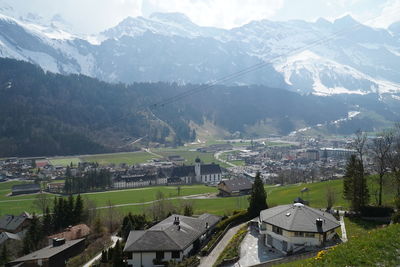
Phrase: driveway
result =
(253, 251)
(209, 260)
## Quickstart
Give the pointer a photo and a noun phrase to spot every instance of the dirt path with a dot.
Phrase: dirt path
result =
(209, 260)
(201, 196)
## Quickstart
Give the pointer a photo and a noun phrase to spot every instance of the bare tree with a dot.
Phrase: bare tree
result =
(112, 217)
(394, 157)
(89, 211)
(42, 201)
(380, 149)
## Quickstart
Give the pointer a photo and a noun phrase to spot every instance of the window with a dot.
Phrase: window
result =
(176, 254)
(277, 230)
(298, 234)
(309, 234)
(159, 255)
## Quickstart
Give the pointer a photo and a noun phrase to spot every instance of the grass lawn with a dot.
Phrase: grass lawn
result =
(276, 195)
(65, 161)
(316, 195)
(147, 194)
(118, 158)
(356, 227)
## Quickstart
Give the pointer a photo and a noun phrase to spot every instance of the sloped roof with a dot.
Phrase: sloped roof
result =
(47, 252)
(299, 218)
(11, 222)
(25, 187)
(238, 184)
(4, 236)
(168, 236)
(183, 171)
(210, 169)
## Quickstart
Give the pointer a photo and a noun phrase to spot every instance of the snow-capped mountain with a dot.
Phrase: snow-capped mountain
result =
(319, 57)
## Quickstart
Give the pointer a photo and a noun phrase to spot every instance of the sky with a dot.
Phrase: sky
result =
(92, 16)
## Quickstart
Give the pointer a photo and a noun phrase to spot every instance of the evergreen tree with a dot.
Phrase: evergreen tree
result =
(78, 210)
(69, 211)
(33, 237)
(258, 198)
(127, 229)
(355, 187)
(104, 258)
(4, 256)
(47, 223)
(117, 255)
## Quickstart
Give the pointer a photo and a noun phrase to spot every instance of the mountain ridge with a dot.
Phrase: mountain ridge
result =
(365, 61)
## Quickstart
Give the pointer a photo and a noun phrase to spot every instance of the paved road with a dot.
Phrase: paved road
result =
(217, 154)
(343, 228)
(209, 260)
(206, 195)
(98, 256)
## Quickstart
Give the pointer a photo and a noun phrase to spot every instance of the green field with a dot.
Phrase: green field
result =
(276, 195)
(129, 158)
(65, 161)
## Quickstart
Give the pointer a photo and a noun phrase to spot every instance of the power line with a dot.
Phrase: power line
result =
(258, 66)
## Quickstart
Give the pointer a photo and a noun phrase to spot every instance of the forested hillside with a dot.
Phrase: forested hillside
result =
(51, 114)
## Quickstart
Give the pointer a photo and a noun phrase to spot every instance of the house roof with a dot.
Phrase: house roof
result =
(210, 169)
(74, 232)
(47, 252)
(168, 236)
(4, 236)
(299, 218)
(25, 187)
(11, 222)
(237, 184)
(183, 171)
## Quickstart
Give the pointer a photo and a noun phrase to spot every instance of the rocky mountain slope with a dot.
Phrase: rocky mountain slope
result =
(323, 57)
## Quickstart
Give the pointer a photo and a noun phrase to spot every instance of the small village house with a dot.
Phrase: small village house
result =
(235, 187)
(174, 238)
(296, 227)
(57, 254)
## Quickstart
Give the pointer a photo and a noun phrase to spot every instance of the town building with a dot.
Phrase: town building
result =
(20, 189)
(56, 254)
(174, 238)
(235, 187)
(296, 227)
(197, 173)
(15, 224)
(6, 237)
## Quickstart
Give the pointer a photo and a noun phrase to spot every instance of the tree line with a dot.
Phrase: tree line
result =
(91, 180)
(384, 151)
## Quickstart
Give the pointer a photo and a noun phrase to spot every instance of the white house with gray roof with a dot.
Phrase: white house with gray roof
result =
(295, 227)
(171, 239)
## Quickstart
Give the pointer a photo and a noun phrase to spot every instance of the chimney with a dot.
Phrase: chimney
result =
(206, 225)
(176, 221)
(58, 242)
(318, 222)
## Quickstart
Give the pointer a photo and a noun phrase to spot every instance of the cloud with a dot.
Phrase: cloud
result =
(390, 14)
(84, 16)
(218, 13)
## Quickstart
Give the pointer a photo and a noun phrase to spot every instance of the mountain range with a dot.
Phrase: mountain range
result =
(322, 57)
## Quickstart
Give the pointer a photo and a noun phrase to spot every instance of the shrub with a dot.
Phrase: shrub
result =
(372, 211)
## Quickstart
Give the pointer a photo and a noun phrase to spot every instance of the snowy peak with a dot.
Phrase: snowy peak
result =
(346, 21)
